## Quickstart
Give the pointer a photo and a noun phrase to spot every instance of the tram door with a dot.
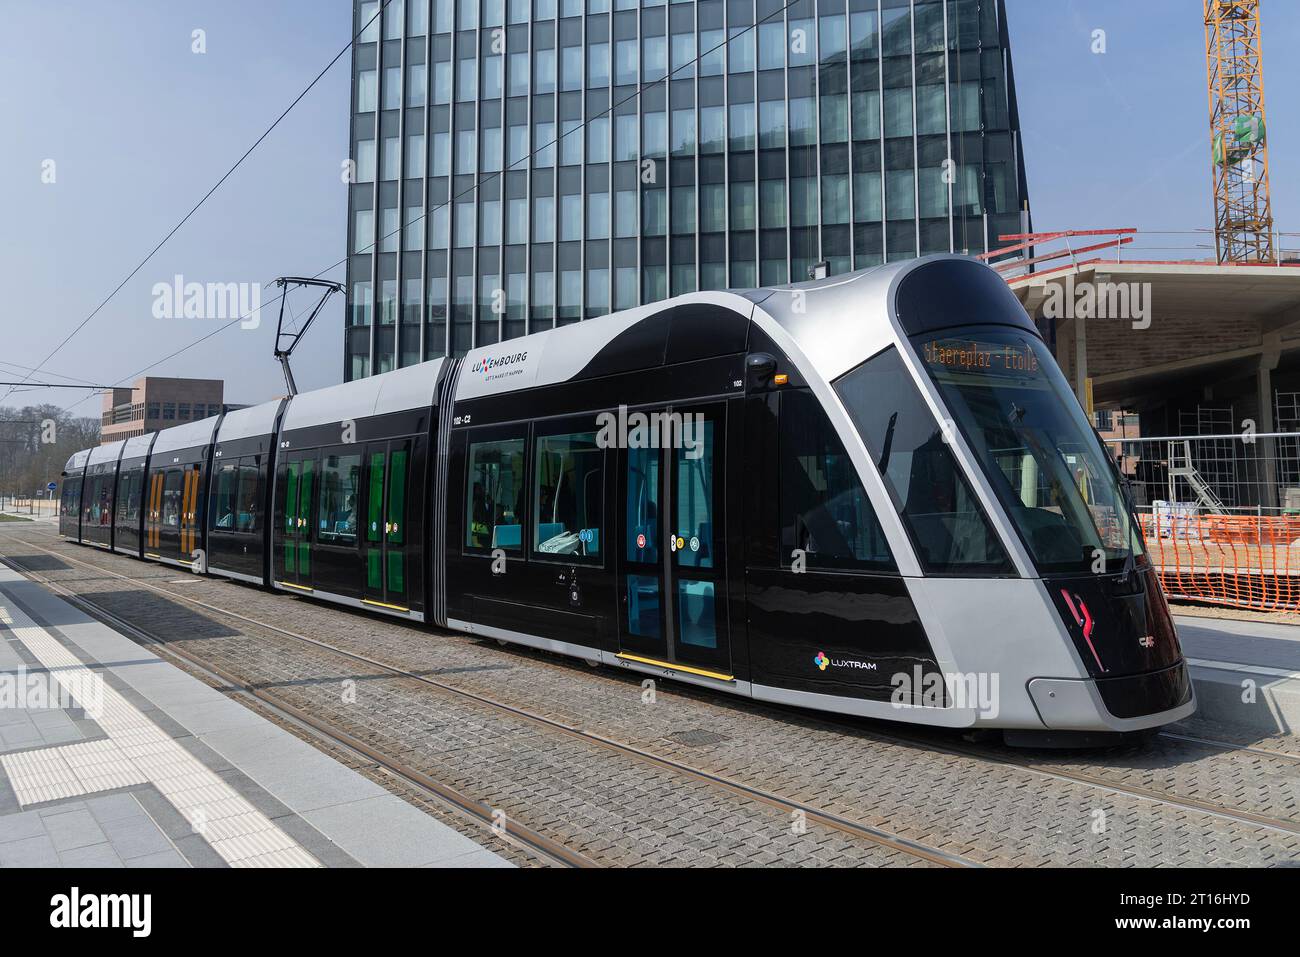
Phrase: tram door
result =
(174, 524)
(191, 517)
(385, 538)
(153, 514)
(296, 486)
(672, 585)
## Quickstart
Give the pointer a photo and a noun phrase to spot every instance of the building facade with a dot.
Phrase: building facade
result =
(155, 402)
(519, 164)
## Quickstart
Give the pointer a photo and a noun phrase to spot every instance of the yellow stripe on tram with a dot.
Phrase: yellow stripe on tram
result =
(671, 666)
(383, 604)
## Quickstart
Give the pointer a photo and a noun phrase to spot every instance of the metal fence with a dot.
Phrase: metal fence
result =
(1221, 514)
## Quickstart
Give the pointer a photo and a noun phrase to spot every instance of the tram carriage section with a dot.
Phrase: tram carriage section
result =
(351, 490)
(176, 492)
(98, 494)
(70, 495)
(239, 498)
(873, 494)
(129, 497)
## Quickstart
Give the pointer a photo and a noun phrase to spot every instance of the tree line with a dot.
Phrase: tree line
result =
(35, 443)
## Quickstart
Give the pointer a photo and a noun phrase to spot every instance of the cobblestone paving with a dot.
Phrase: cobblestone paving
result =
(1281, 744)
(615, 809)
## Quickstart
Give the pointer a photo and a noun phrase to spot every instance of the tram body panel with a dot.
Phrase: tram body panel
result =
(176, 493)
(351, 492)
(872, 517)
(70, 487)
(239, 491)
(98, 491)
(129, 495)
(530, 549)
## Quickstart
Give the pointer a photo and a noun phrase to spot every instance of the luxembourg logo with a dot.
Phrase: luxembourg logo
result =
(488, 364)
(821, 661)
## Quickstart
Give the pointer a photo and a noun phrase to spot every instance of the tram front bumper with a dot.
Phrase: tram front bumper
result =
(1124, 703)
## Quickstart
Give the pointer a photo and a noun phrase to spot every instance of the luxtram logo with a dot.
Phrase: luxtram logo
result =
(822, 661)
(489, 364)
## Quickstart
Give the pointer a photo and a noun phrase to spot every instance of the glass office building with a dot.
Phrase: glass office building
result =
(519, 164)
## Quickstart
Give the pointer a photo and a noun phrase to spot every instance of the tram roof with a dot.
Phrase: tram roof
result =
(138, 445)
(255, 420)
(411, 387)
(109, 452)
(187, 435)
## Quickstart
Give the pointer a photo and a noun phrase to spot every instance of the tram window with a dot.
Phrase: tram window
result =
(97, 502)
(568, 496)
(172, 497)
(250, 471)
(123, 496)
(128, 496)
(227, 482)
(340, 482)
(694, 522)
(825, 511)
(946, 522)
(494, 500)
(71, 495)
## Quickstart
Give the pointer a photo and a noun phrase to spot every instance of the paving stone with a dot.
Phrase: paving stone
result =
(168, 858)
(93, 855)
(621, 811)
(115, 807)
(135, 838)
(17, 827)
(32, 852)
(71, 829)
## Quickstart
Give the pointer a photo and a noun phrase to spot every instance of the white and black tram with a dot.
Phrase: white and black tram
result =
(873, 494)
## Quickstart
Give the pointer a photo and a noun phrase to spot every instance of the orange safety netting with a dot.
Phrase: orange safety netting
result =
(1244, 561)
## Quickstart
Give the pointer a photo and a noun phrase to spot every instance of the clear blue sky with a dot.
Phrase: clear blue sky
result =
(1121, 138)
(140, 127)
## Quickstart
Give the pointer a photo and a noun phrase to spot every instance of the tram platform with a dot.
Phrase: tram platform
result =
(112, 757)
(1246, 673)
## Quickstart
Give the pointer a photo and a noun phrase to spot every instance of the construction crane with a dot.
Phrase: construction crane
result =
(1243, 212)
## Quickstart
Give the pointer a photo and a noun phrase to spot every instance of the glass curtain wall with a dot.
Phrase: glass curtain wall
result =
(522, 164)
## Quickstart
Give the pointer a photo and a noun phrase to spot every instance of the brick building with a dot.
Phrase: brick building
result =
(154, 403)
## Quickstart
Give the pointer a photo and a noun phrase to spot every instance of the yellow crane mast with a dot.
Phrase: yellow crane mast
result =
(1243, 213)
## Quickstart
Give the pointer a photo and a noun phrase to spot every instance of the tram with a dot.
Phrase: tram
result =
(873, 494)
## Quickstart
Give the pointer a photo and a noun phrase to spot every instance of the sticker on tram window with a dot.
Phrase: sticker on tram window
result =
(640, 541)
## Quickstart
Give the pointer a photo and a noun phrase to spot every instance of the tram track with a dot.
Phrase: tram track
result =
(1010, 760)
(899, 738)
(533, 840)
(984, 755)
(453, 799)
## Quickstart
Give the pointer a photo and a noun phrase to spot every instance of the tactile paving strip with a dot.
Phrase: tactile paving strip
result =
(137, 751)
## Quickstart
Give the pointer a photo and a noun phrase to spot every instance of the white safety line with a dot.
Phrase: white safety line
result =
(1248, 669)
(137, 751)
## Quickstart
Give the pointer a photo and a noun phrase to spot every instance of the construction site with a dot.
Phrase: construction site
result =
(1189, 363)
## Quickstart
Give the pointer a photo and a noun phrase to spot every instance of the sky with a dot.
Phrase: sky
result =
(139, 126)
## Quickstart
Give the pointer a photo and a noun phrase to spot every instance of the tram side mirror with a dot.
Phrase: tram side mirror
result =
(759, 368)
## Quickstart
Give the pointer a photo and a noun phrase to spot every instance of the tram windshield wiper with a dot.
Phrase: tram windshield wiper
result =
(887, 446)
